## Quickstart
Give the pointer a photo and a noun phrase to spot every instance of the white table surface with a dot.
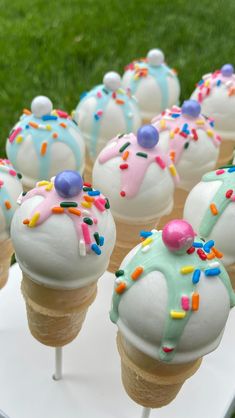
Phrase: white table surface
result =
(91, 387)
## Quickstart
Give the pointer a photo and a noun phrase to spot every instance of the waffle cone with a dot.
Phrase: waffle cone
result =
(148, 382)
(146, 121)
(226, 152)
(178, 209)
(5, 261)
(88, 168)
(231, 272)
(128, 236)
(55, 316)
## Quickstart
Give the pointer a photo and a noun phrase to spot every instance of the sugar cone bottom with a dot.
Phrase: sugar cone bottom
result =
(146, 121)
(231, 272)
(5, 261)
(149, 382)
(180, 197)
(226, 152)
(55, 316)
(88, 169)
(128, 236)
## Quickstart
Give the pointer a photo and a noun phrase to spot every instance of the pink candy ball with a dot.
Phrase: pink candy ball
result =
(178, 235)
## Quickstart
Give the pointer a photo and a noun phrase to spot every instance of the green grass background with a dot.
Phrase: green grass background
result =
(62, 47)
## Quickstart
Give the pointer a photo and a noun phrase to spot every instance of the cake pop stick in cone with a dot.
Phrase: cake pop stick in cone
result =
(210, 208)
(170, 304)
(192, 144)
(63, 235)
(139, 180)
(215, 93)
(155, 85)
(43, 142)
(103, 113)
(10, 189)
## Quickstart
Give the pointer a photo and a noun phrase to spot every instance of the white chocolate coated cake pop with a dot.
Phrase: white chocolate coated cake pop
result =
(44, 142)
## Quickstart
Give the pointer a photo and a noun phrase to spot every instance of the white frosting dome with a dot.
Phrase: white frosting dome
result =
(10, 189)
(154, 85)
(106, 111)
(196, 207)
(44, 142)
(143, 311)
(145, 198)
(50, 253)
(216, 95)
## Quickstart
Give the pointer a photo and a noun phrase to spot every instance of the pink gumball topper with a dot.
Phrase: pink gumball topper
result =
(178, 235)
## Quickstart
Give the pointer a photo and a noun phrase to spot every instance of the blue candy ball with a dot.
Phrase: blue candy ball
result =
(147, 136)
(227, 70)
(191, 108)
(68, 183)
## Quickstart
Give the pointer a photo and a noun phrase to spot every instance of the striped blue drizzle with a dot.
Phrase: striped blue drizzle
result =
(101, 104)
(160, 74)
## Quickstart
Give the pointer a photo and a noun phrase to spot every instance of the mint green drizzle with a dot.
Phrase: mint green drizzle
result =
(219, 199)
(159, 258)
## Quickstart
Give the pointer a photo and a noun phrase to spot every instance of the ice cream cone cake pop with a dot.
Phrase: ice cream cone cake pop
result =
(216, 94)
(103, 113)
(63, 234)
(153, 83)
(170, 304)
(44, 142)
(139, 180)
(193, 145)
(10, 189)
(210, 207)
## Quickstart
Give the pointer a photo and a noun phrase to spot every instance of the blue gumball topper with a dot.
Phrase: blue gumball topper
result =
(147, 136)
(68, 183)
(227, 70)
(191, 108)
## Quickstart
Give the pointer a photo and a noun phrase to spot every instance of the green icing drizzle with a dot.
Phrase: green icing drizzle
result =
(159, 258)
(219, 199)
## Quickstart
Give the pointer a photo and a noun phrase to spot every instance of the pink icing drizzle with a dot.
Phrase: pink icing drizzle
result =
(210, 82)
(52, 199)
(132, 176)
(165, 122)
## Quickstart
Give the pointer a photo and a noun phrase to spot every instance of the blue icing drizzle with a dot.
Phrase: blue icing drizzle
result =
(160, 74)
(4, 196)
(101, 104)
(40, 135)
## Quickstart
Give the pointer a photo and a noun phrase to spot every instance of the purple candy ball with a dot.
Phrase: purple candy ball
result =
(68, 183)
(178, 235)
(191, 108)
(147, 136)
(227, 70)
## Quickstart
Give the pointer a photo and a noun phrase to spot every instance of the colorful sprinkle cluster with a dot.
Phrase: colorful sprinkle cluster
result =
(182, 271)
(215, 80)
(183, 130)
(80, 209)
(20, 132)
(103, 95)
(140, 68)
(136, 158)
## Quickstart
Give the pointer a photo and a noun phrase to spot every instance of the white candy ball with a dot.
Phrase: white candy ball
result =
(155, 57)
(112, 80)
(41, 106)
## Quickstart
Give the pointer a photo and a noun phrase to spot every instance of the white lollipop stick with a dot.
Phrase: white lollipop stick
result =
(58, 364)
(146, 412)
